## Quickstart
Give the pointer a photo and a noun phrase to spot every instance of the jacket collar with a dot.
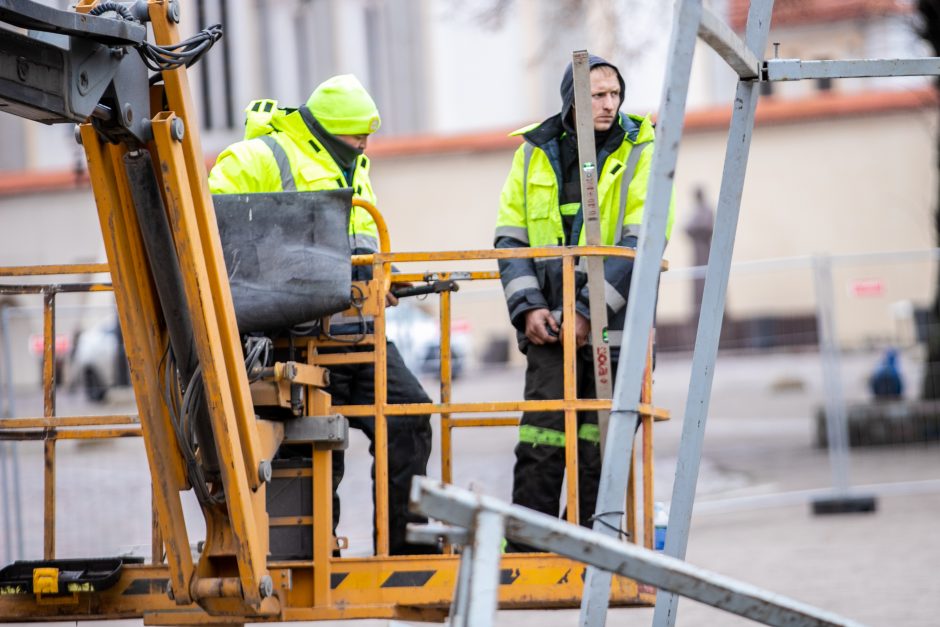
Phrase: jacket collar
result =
(637, 128)
(293, 124)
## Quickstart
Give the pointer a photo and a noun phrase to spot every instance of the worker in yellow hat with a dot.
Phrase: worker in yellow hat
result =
(319, 146)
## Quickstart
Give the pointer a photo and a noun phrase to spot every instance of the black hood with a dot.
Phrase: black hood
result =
(567, 89)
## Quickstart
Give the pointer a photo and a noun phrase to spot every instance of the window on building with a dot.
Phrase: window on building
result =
(824, 84)
(216, 99)
(300, 43)
(314, 34)
(393, 30)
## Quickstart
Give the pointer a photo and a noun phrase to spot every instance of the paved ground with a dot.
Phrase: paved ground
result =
(752, 519)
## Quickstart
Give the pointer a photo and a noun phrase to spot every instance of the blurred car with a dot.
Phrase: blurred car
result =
(99, 360)
(417, 335)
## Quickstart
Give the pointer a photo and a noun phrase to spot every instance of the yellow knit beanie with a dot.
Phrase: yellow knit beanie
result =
(343, 106)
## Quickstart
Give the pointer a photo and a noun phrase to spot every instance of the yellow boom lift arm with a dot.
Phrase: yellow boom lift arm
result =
(135, 135)
(130, 98)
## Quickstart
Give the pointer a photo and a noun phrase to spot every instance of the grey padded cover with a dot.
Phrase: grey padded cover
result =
(287, 255)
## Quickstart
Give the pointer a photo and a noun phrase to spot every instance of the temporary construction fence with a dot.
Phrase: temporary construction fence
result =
(878, 300)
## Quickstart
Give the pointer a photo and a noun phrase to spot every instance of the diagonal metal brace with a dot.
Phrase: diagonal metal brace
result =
(717, 34)
(464, 508)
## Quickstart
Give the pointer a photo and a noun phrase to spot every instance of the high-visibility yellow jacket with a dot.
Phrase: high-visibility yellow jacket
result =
(530, 215)
(280, 152)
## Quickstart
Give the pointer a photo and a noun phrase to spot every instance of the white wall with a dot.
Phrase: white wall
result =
(845, 185)
(479, 76)
(851, 185)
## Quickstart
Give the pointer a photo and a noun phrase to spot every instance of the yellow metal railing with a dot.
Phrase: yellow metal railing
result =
(49, 428)
(454, 415)
(570, 404)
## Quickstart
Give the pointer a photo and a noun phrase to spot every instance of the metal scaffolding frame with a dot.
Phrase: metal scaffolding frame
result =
(488, 519)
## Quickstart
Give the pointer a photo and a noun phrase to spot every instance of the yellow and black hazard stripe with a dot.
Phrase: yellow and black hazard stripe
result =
(556, 575)
(418, 578)
(394, 579)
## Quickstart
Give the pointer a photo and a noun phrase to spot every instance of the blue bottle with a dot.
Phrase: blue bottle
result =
(660, 522)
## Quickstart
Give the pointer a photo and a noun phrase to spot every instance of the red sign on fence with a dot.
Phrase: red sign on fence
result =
(62, 344)
(867, 288)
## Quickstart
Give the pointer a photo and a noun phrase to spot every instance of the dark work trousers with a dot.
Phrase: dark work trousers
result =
(540, 468)
(409, 439)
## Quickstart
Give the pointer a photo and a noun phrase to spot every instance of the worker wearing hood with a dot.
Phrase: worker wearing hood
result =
(540, 205)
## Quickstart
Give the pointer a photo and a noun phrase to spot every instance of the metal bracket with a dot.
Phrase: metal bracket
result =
(433, 533)
(36, 16)
(329, 431)
(304, 374)
(70, 67)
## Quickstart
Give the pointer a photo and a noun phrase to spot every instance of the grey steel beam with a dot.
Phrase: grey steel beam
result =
(717, 34)
(712, 311)
(624, 416)
(475, 595)
(6, 506)
(797, 69)
(461, 601)
(464, 508)
(482, 581)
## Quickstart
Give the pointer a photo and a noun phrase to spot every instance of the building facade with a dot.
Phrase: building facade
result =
(835, 168)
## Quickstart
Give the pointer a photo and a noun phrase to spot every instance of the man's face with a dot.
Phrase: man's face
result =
(605, 97)
(356, 141)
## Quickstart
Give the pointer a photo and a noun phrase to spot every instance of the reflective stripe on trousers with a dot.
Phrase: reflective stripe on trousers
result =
(540, 436)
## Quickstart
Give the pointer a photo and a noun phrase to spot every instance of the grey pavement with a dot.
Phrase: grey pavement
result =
(752, 519)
